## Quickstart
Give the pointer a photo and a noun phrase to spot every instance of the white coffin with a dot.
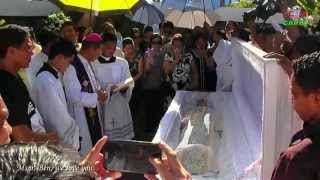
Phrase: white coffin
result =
(258, 119)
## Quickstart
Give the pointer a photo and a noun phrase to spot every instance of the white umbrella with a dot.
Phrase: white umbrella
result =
(191, 18)
(26, 8)
(148, 15)
(236, 14)
(208, 5)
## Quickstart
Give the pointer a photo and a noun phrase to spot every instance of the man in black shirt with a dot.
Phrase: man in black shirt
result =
(15, 53)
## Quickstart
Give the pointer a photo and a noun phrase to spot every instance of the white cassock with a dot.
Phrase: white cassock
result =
(78, 100)
(222, 56)
(35, 64)
(49, 97)
(116, 112)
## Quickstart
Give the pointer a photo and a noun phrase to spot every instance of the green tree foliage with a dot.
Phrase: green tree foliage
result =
(313, 9)
(292, 3)
(244, 4)
(312, 6)
(54, 21)
(2, 22)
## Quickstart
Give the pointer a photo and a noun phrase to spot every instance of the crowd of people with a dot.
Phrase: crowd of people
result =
(71, 92)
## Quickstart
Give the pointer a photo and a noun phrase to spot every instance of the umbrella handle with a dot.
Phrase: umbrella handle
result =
(90, 16)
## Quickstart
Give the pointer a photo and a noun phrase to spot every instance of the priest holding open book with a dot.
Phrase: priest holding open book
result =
(114, 75)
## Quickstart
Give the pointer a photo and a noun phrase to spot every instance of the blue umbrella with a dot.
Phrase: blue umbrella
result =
(148, 14)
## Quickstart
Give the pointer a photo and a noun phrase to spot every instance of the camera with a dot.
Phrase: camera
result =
(263, 10)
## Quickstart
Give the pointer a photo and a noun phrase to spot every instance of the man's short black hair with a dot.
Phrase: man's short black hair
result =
(135, 33)
(147, 29)
(221, 33)
(45, 37)
(265, 29)
(244, 35)
(11, 36)
(109, 37)
(168, 24)
(307, 44)
(127, 41)
(196, 37)
(306, 71)
(108, 27)
(64, 47)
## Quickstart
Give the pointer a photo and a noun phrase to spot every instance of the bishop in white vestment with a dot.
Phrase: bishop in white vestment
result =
(116, 112)
(80, 86)
(49, 97)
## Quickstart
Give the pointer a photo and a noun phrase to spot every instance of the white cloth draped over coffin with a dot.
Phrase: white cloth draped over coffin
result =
(49, 97)
(116, 111)
(257, 117)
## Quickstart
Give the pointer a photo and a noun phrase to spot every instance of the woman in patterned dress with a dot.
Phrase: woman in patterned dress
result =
(179, 68)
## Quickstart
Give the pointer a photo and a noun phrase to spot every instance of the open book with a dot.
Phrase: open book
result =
(123, 84)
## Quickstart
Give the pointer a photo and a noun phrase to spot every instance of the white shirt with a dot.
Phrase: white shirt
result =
(73, 86)
(222, 54)
(117, 120)
(78, 100)
(49, 97)
(223, 58)
(35, 64)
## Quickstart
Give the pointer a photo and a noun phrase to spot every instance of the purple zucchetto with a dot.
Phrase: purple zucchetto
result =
(93, 38)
